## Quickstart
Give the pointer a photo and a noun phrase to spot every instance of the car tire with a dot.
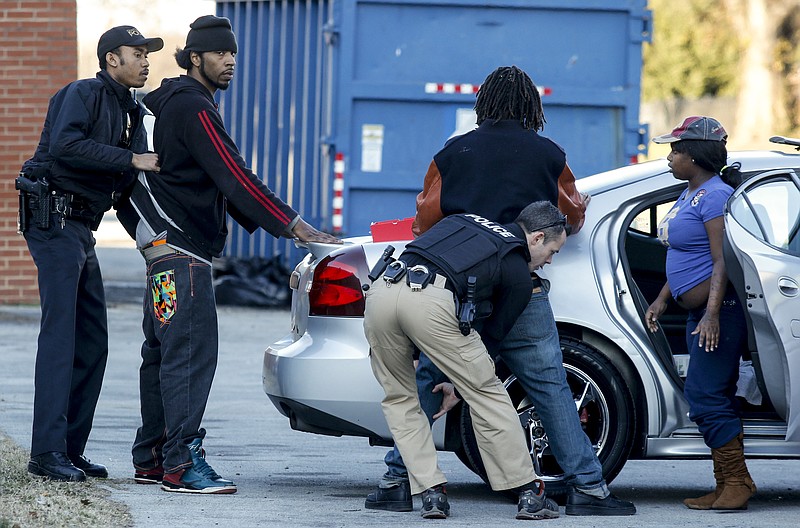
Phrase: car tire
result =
(607, 417)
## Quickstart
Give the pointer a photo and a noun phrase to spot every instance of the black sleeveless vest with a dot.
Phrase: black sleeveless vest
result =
(498, 169)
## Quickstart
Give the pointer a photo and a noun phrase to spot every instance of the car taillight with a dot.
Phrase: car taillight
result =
(336, 287)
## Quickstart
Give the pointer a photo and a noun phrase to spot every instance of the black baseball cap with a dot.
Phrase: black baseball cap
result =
(126, 36)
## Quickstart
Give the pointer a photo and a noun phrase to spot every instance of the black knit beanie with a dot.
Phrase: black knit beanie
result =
(211, 33)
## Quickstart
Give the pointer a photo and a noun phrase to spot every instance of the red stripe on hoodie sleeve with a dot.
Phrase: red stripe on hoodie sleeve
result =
(237, 172)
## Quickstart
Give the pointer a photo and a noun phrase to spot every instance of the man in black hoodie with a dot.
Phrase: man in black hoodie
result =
(91, 147)
(181, 227)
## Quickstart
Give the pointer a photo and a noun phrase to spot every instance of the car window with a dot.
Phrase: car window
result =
(646, 222)
(770, 211)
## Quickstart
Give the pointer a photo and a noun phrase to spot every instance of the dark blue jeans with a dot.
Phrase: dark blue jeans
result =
(73, 337)
(711, 379)
(179, 359)
(532, 352)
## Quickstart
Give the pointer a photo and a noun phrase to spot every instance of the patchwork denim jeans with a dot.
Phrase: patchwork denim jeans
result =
(179, 359)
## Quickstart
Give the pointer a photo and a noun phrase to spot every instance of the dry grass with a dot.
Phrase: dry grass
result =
(28, 501)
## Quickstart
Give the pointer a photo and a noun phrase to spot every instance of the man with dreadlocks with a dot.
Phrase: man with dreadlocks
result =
(504, 152)
(495, 171)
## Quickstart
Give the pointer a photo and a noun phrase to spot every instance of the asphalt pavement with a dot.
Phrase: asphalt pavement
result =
(288, 478)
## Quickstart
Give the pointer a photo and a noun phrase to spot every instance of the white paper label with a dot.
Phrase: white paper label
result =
(371, 148)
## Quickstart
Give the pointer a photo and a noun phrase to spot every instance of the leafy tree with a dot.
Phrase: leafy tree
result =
(694, 52)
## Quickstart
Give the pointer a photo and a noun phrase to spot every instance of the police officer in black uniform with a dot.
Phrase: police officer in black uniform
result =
(465, 271)
(92, 144)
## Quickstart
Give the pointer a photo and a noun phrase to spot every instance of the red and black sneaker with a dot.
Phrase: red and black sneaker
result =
(197, 480)
(149, 476)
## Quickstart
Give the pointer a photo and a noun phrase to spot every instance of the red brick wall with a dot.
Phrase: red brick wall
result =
(38, 55)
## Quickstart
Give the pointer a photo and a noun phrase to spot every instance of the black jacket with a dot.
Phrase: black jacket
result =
(81, 146)
(202, 174)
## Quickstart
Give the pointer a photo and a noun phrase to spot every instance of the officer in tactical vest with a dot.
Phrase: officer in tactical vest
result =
(463, 276)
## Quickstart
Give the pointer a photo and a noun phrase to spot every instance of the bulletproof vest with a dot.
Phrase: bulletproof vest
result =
(467, 245)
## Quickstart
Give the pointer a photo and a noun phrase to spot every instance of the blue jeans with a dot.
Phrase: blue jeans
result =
(179, 359)
(532, 352)
(711, 379)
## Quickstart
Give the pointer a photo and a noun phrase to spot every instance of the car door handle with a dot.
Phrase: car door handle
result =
(788, 286)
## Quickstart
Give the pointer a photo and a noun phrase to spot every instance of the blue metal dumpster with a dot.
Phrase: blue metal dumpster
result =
(384, 83)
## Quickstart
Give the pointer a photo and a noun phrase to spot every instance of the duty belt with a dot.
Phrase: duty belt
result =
(70, 206)
(417, 277)
(67, 206)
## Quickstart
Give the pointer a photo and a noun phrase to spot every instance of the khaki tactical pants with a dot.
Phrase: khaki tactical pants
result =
(395, 319)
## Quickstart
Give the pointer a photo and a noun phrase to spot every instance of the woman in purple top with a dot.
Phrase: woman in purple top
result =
(716, 332)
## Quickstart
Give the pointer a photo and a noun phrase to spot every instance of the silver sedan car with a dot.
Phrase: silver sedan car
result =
(627, 382)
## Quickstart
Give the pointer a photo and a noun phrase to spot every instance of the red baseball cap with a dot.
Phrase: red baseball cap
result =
(697, 128)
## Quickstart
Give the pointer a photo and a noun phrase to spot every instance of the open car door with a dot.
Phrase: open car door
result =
(762, 225)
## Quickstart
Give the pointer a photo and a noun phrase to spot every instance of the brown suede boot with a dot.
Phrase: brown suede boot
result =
(705, 502)
(738, 486)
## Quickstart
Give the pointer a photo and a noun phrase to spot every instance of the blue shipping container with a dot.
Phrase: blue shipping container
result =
(384, 83)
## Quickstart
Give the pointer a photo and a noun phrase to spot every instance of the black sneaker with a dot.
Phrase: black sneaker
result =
(582, 504)
(533, 505)
(396, 499)
(434, 503)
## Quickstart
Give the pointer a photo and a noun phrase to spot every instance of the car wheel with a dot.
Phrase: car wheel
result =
(605, 408)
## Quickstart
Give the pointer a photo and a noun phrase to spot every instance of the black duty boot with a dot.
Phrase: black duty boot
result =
(582, 504)
(434, 503)
(397, 498)
(85, 465)
(55, 466)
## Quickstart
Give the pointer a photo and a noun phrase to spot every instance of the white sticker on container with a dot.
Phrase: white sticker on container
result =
(371, 148)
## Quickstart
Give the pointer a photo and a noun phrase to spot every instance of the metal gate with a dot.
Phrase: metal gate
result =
(278, 110)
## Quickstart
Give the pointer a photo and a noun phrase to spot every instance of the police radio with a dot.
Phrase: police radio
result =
(380, 266)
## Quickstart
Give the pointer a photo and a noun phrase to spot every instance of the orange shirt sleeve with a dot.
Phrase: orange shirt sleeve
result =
(429, 209)
(570, 201)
